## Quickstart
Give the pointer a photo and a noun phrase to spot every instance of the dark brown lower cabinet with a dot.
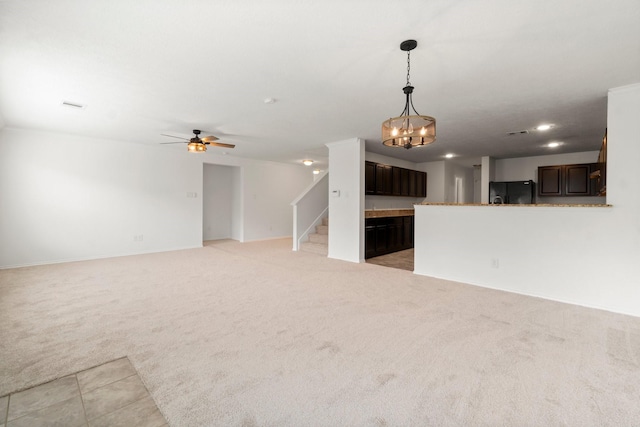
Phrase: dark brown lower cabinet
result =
(386, 235)
(370, 240)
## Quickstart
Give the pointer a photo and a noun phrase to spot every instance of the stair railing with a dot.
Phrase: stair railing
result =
(309, 208)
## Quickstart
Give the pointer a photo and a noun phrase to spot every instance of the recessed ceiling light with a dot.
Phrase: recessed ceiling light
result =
(448, 156)
(269, 101)
(307, 162)
(316, 171)
(553, 144)
(544, 127)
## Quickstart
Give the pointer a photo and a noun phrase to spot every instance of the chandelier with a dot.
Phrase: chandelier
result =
(408, 130)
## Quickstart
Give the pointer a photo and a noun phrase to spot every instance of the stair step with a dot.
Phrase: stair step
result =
(325, 221)
(316, 248)
(319, 238)
(322, 229)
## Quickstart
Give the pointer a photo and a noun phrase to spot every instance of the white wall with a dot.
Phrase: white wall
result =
(237, 225)
(386, 160)
(525, 168)
(65, 197)
(452, 172)
(391, 202)
(217, 201)
(346, 209)
(269, 188)
(441, 181)
(585, 256)
(435, 180)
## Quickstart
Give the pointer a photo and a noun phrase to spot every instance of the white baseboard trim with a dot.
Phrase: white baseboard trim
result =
(91, 258)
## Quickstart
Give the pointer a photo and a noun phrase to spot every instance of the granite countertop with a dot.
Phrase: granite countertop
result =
(535, 205)
(384, 213)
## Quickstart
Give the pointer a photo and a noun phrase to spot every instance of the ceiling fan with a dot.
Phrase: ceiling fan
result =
(197, 144)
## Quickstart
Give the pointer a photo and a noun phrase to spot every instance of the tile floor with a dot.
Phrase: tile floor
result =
(107, 395)
(401, 259)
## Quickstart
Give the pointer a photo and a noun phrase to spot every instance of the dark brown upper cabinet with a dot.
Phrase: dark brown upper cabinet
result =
(577, 182)
(567, 180)
(385, 180)
(550, 181)
(369, 178)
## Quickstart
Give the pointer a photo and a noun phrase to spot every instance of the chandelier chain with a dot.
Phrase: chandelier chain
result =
(408, 66)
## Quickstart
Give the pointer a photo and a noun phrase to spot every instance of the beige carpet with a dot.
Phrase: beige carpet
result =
(256, 335)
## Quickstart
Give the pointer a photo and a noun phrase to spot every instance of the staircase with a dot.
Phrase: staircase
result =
(319, 241)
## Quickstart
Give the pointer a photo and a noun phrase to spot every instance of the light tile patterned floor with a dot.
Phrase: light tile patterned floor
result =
(107, 395)
(401, 259)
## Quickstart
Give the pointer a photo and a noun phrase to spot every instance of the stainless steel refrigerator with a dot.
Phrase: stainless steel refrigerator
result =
(512, 192)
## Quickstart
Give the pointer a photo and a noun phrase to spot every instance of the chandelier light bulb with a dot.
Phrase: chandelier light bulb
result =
(423, 131)
(394, 131)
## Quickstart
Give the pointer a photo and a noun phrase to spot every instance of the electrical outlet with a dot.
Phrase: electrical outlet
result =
(138, 238)
(495, 263)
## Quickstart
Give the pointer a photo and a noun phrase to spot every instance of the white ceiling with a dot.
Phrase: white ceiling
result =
(482, 68)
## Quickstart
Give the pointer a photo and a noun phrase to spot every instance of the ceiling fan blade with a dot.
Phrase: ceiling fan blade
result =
(177, 142)
(221, 144)
(173, 136)
(209, 138)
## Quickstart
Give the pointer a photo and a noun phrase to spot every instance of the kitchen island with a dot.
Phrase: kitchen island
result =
(559, 252)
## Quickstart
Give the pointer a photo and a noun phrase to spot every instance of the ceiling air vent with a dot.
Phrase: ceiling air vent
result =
(72, 104)
(518, 132)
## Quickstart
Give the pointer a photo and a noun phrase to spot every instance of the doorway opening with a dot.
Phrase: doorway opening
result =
(221, 203)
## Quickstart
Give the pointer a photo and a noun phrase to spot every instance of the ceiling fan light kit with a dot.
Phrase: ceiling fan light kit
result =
(199, 145)
(196, 147)
(409, 130)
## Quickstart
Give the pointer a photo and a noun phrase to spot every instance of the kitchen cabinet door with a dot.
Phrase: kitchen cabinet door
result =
(577, 181)
(370, 239)
(550, 180)
(407, 229)
(369, 178)
(382, 237)
(404, 183)
(397, 181)
(396, 234)
(421, 184)
(384, 177)
(412, 183)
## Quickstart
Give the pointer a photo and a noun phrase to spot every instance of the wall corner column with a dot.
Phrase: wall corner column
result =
(346, 200)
